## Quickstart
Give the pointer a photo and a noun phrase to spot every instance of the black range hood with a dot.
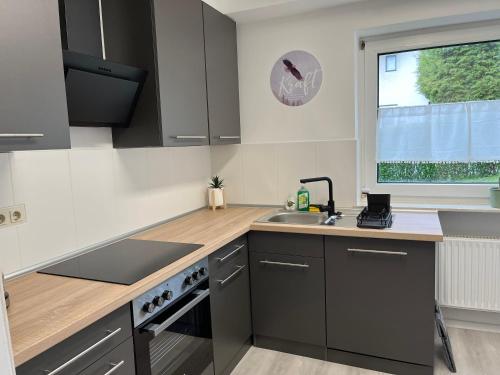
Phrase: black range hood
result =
(98, 92)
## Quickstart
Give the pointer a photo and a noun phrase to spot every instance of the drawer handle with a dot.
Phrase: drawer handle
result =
(189, 136)
(238, 270)
(224, 258)
(229, 137)
(400, 253)
(21, 135)
(285, 264)
(115, 367)
(109, 335)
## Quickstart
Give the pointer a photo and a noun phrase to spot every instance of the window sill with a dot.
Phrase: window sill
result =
(447, 207)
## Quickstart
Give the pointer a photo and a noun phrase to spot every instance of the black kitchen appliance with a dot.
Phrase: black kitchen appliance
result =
(172, 326)
(378, 213)
(98, 92)
(123, 262)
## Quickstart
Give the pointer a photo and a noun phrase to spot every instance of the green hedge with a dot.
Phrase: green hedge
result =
(480, 173)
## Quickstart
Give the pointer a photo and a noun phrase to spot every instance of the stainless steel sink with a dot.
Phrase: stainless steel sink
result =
(295, 217)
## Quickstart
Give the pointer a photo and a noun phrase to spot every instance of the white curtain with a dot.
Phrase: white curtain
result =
(456, 132)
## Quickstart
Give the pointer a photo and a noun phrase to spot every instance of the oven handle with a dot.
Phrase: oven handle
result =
(156, 329)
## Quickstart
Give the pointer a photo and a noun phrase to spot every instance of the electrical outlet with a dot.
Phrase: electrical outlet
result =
(4, 217)
(17, 214)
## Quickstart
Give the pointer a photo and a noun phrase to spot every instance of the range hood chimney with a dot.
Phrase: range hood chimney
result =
(99, 92)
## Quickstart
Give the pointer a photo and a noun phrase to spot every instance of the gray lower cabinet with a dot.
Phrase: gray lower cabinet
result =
(103, 344)
(32, 89)
(120, 361)
(222, 77)
(288, 294)
(230, 304)
(380, 303)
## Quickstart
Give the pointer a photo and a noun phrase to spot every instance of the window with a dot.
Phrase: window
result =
(390, 63)
(437, 121)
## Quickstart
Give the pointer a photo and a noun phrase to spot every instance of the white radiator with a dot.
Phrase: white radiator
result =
(468, 273)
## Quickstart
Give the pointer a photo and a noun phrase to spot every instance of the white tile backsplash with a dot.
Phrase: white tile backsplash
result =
(92, 193)
(268, 173)
(41, 180)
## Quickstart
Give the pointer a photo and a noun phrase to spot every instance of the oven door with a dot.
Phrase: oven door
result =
(178, 341)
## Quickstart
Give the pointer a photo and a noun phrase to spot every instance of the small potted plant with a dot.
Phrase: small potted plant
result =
(216, 193)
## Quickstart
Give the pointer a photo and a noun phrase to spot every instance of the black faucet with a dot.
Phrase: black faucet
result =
(330, 207)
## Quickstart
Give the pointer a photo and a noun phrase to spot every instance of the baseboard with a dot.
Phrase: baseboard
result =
(488, 321)
(291, 347)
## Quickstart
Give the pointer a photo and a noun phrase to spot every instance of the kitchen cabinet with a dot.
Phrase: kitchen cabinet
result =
(32, 88)
(104, 343)
(380, 303)
(164, 37)
(222, 77)
(189, 52)
(288, 293)
(230, 304)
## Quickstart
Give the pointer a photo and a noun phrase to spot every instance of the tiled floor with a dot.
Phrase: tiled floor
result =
(476, 353)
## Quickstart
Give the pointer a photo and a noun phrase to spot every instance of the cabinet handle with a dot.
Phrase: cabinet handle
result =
(189, 136)
(285, 264)
(238, 270)
(115, 367)
(400, 253)
(109, 335)
(21, 135)
(229, 137)
(223, 259)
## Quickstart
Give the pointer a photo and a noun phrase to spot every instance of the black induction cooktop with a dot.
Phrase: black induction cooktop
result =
(124, 262)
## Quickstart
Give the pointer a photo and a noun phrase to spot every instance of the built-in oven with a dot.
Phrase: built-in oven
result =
(176, 338)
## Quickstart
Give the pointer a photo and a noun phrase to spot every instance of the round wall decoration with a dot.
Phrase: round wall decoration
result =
(296, 78)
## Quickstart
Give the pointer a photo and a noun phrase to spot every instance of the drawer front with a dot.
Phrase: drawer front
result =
(231, 315)
(224, 259)
(381, 289)
(120, 361)
(288, 297)
(287, 243)
(85, 347)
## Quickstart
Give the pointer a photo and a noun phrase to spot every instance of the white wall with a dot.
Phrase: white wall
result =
(80, 197)
(327, 124)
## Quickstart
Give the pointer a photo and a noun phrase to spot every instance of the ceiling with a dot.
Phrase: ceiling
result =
(254, 10)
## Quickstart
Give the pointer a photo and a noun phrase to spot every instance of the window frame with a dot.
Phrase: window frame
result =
(368, 74)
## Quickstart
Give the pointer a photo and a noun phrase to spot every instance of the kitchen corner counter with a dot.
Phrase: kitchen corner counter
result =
(47, 309)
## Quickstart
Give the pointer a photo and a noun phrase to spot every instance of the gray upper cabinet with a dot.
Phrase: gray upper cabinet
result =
(181, 71)
(164, 37)
(33, 98)
(222, 77)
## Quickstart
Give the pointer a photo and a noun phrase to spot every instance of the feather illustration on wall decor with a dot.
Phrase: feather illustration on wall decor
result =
(292, 69)
(296, 78)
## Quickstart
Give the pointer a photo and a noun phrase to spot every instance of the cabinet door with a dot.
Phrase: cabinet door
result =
(380, 298)
(288, 298)
(222, 77)
(32, 90)
(181, 71)
(230, 305)
(120, 361)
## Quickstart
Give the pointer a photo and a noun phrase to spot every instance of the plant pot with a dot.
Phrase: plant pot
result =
(495, 197)
(215, 197)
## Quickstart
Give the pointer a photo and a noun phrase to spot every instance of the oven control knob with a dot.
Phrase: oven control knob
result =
(189, 280)
(195, 275)
(158, 301)
(148, 307)
(168, 295)
(202, 271)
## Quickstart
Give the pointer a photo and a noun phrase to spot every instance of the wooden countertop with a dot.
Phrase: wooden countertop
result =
(46, 309)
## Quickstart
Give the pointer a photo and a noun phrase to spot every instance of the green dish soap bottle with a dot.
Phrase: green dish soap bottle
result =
(303, 199)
